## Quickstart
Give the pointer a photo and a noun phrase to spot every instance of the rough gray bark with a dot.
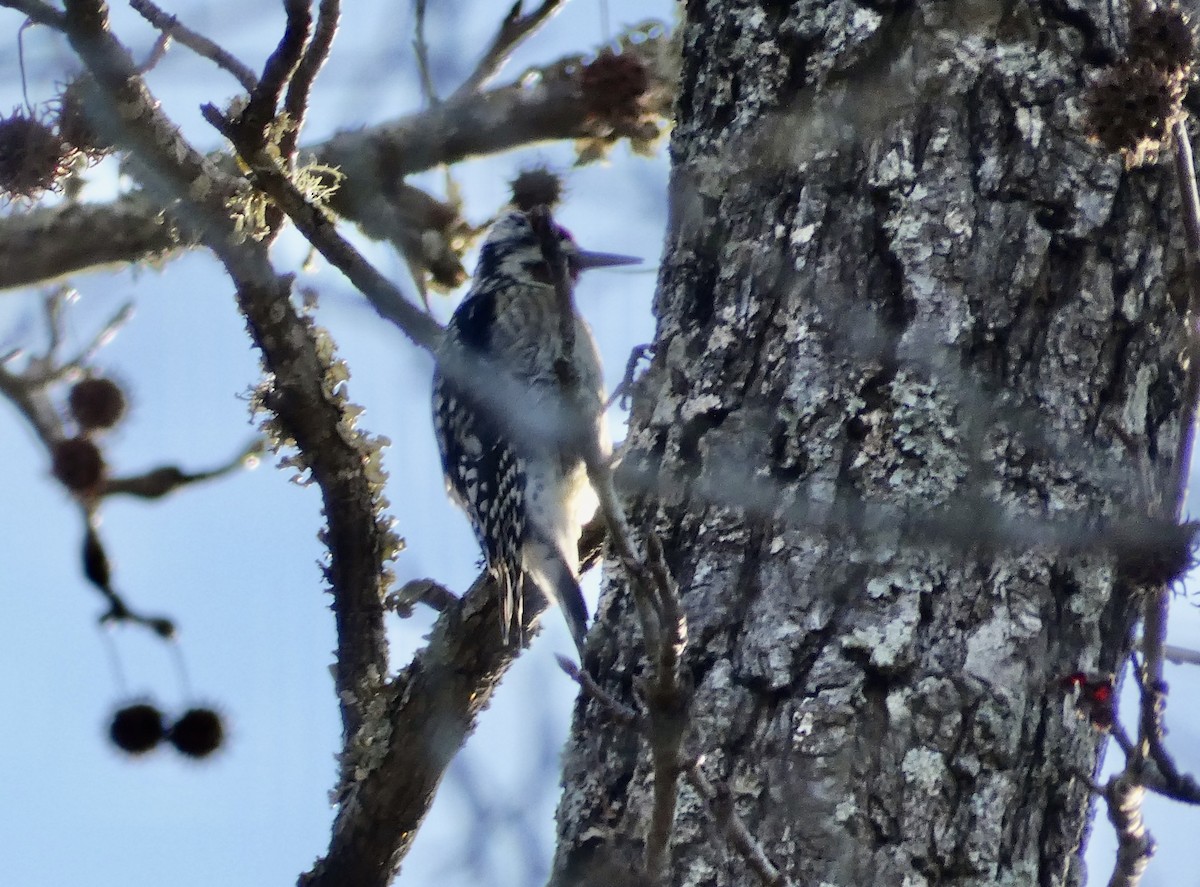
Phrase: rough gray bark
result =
(911, 325)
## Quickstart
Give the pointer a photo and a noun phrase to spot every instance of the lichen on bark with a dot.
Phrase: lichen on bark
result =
(909, 314)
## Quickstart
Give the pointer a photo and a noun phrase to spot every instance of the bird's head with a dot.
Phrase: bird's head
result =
(522, 245)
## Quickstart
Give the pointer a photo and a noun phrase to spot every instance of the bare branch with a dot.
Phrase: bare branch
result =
(49, 244)
(720, 802)
(1135, 845)
(303, 391)
(343, 462)
(420, 591)
(421, 50)
(296, 102)
(38, 12)
(623, 714)
(277, 72)
(1181, 655)
(158, 482)
(49, 371)
(718, 799)
(197, 43)
(657, 598)
(513, 29)
(424, 717)
(157, 53)
(321, 231)
(46, 244)
(96, 569)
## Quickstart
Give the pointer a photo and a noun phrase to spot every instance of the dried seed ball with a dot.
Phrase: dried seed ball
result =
(96, 403)
(1162, 35)
(612, 85)
(136, 728)
(1133, 105)
(75, 126)
(1157, 553)
(78, 464)
(198, 733)
(32, 156)
(537, 186)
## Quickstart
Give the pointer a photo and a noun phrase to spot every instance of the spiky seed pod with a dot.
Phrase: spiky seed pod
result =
(1163, 36)
(537, 186)
(33, 158)
(78, 465)
(96, 403)
(75, 125)
(612, 85)
(1132, 108)
(1156, 553)
(198, 733)
(136, 729)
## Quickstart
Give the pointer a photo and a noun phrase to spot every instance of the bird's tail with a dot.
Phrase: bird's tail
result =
(510, 580)
(556, 579)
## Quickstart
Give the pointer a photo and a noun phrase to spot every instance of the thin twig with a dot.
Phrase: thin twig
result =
(157, 53)
(296, 103)
(1121, 738)
(38, 12)
(547, 232)
(624, 389)
(421, 51)
(667, 707)
(655, 594)
(320, 230)
(420, 591)
(621, 536)
(718, 800)
(158, 482)
(621, 713)
(720, 803)
(513, 29)
(52, 372)
(277, 72)
(96, 569)
(197, 43)
(1155, 611)
(1181, 655)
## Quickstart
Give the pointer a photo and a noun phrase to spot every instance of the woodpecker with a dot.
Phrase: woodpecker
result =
(518, 401)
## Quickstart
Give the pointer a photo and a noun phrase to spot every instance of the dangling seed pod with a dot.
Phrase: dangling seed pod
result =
(136, 729)
(78, 465)
(96, 403)
(613, 84)
(537, 186)
(198, 733)
(75, 124)
(33, 158)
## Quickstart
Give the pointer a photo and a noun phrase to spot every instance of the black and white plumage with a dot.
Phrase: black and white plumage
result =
(513, 428)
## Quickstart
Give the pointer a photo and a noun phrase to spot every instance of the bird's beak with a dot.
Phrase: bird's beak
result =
(585, 259)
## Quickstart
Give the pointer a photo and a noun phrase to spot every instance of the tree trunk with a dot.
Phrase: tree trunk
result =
(918, 353)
